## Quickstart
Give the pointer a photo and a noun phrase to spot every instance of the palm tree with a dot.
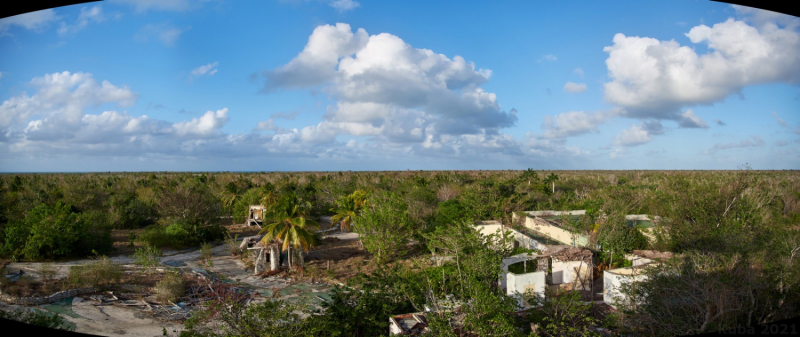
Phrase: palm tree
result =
(288, 223)
(551, 179)
(349, 207)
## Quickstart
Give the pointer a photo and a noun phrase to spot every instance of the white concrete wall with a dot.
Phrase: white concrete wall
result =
(494, 227)
(556, 233)
(394, 329)
(637, 260)
(509, 261)
(564, 273)
(613, 280)
(518, 284)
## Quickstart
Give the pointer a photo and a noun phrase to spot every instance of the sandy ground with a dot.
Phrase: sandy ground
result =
(113, 320)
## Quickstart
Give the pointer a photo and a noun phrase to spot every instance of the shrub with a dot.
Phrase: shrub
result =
(148, 258)
(56, 231)
(97, 274)
(171, 287)
(156, 236)
(233, 244)
(205, 253)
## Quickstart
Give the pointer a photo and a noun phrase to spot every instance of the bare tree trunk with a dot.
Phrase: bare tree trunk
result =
(289, 256)
(274, 258)
(301, 259)
(612, 260)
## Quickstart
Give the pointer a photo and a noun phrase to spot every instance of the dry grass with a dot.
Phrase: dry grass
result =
(171, 287)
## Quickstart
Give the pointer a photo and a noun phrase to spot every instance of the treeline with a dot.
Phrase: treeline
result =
(45, 216)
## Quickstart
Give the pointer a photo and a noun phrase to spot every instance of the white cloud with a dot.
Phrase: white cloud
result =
(388, 90)
(204, 126)
(548, 57)
(575, 87)
(779, 120)
(689, 120)
(165, 33)
(760, 17)
(344, 5)
(655, 79)
(208, 69)
(316, 64)
(573, 123)
(639, 134)
(579, 72)
(65, 95)
(35, 21)
(87, 15)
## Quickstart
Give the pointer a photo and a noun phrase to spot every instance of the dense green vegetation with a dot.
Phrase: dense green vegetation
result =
(736, 235)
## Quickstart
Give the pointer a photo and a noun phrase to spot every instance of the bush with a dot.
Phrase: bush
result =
(171, 287)
(98, 274)
(148, 258)
(181, 233)
(56, 231)
(156, 236)
(205, 254)
(233, 244)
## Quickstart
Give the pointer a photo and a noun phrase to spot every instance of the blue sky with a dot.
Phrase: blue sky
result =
(319, 85)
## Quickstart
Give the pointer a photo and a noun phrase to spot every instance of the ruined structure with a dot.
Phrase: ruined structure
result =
(263, 253)
(255, 216)
(613, 279)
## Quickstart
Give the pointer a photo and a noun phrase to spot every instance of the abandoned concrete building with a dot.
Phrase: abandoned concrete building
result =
(613, 279)
(552, 265)
(408, 324)
(552, 225)
(557, 267)
(255, 216)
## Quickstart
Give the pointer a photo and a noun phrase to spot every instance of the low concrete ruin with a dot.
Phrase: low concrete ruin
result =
(562, 267)
(263, 253)
(613, 279)
(408, 324)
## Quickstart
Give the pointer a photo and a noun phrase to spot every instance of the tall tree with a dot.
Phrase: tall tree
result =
(349, 207)
(289, 222)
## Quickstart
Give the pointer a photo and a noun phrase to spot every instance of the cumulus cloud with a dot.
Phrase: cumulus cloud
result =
(87, 15)
(204, 126)
(63, 97)
(639, 134)
(163, 32)
(344, 5)
(390, 91)
(655, 79)
(35, 21)
(573, 123)
(688, 120)
(575, 87)
(208, 69)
